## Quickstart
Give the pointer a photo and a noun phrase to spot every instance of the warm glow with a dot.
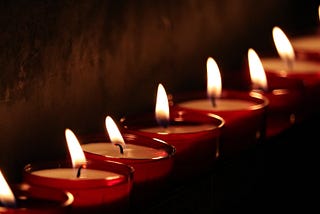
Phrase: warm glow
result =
(214, 85)
(257, 73)
(77, 155)
(162, 106)
(283, 45)
(319, 12)
(6, 195)
(114, 133)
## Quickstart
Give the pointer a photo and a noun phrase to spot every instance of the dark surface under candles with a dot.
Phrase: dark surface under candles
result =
(279, 174)
(69, 64)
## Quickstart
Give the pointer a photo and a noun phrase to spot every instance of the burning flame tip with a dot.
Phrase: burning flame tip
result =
(214, 83)
(113, 131)
(257, 73)
(283, 45)
(75, 150)
(162, 106)
(6, 195)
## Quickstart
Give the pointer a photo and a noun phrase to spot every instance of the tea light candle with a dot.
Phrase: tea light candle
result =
(152, 159)
(141, 153)
(244, 113)
(284, 95)
(96, 185)
(308, 46)
(195, 137)
(25, 199)
(308, 72)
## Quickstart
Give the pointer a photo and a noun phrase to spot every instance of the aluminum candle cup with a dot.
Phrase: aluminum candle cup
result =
(244, 114)
(101, 185)
(196, 138)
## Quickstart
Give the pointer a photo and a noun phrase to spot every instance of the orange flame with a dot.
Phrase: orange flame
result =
(6, 195)
(77, 155)
(257, 73)
(283, 46)
(162, 107)
(214, 84)
(114, 133)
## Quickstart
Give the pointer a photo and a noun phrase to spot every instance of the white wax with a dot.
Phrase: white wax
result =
(221, 104)
(131, 151)
(308, 43)
(71, 173)
(176, 129)
(299, 66)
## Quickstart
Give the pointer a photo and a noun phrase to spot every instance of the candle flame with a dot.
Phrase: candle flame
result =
(283, 46)
(6, 195)
(319, 12)
(214, 84)
(162, 107)
(77, 155)
(114, 133)
(257, 73)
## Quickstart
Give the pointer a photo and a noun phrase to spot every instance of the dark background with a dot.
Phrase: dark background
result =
(68, 64)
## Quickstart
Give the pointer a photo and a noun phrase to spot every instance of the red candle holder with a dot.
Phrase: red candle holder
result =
(286, 104)
(196, 138)
(37, 200)
(98, 192)
(244, 126)
(308, 72)
(307, 47)
(150, 173)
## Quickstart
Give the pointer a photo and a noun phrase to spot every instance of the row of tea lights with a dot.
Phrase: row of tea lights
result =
(139, 155)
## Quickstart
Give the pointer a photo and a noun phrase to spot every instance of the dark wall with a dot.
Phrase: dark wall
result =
(71, 63)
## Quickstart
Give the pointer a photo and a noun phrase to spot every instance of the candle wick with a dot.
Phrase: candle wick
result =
(213, 101)
(258, 89)
(8, 204)
(120, 147)
(79, 170)
(163, 123)
(289, 63)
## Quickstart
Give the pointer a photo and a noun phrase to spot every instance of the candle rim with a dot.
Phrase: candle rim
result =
(168, 155)
(288, 72)
(126, 172)
(24, 191)
(177, 116)
(132, 138)
(259, 100)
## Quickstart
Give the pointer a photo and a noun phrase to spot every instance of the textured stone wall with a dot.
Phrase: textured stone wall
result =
(71, 63)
